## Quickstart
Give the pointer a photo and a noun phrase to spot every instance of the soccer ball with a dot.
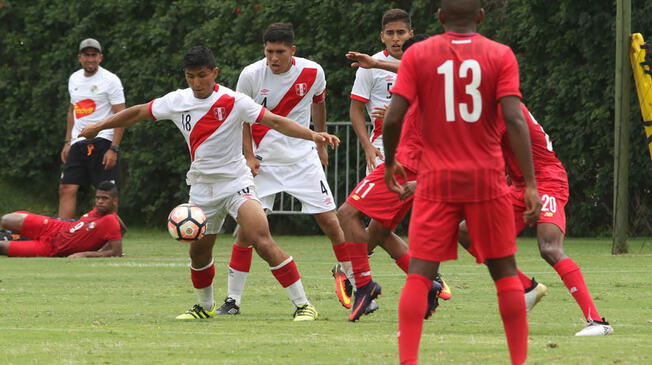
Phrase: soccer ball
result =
(187, 222)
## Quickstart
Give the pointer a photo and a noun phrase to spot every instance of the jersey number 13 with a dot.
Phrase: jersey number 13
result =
(469, 113)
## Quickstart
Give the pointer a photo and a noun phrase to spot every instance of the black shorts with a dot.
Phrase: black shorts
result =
(84, 165)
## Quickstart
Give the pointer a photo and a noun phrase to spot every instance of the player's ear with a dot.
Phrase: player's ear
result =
(441, 16)
(215, 72)
(293, 50)
(479, 16)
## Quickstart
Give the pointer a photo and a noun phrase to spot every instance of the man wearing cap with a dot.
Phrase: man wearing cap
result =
(95, 94)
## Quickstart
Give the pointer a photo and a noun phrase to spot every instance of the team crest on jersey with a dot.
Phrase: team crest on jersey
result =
(91, 225)
(301, 88)
(220, 113)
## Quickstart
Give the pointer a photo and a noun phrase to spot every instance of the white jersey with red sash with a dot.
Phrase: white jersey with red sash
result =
(212, 128)
(289, 94)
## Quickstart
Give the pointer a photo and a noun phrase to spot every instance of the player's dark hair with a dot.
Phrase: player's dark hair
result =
(279, 33)
(197, 57)
(109, 187)
(396, 15)
(415, 39)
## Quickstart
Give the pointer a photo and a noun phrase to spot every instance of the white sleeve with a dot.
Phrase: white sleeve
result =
(163, 108)
(116, 91)
(249, 110)
(362, 84)
(320, 82)
(245, 83)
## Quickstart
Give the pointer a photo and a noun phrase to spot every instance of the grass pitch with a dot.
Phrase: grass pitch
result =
(121, 311)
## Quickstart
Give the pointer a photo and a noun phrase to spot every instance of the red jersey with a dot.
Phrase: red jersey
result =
(408, 151)
(458, 80)
(89, 233)
(547, 167)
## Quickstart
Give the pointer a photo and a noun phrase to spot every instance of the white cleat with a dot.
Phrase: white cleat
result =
(596, 328)
(534, 294)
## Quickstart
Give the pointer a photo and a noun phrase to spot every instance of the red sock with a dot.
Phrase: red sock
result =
(360, 263)
(341, 252)
(241, 258)
(572, 276)
(511, 304)
(202, 278)
(286, 273)
(403, 262)
(411, 309)
(525, 280)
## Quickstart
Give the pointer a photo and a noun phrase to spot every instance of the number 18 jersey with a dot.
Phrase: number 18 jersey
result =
(212, 128)
(458, 80)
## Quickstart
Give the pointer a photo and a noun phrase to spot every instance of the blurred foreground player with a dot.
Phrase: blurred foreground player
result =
(210, 117)
(459, 80)
(552, 184)
(96, 234)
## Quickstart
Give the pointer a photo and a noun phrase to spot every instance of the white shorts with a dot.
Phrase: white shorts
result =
(378, 143)
(216, 206)
(304, 180)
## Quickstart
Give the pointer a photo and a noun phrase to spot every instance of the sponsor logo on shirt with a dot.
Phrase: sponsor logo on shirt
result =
(548, 214)
(328, 200)
(91, 225)
(84, 108)
(301, 88)
(389, 78)
(355, 197)
(264, 92)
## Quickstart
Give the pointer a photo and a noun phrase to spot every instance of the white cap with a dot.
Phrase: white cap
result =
(90, 43)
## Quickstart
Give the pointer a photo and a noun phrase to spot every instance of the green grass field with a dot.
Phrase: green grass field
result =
(121, 311)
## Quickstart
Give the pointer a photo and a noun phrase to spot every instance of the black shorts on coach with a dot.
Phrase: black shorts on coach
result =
(84, 164)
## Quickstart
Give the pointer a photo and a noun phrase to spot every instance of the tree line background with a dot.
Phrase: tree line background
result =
(565, 49)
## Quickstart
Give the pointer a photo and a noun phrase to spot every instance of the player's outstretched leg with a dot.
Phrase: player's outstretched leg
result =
(202, 272)
(551, 247)
(254, 228)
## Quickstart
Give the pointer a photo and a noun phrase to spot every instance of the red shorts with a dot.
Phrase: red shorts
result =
(553, 199)
(40, 229)
(376, 201)
(434, 226)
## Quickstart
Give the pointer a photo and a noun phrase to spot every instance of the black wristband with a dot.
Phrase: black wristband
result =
(115, 149)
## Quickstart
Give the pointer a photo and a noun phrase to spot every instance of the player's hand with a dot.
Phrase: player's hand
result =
(323, 154)
(371, 152)
(123, 226)
(409, 188)
(390, 178)
(361, 60)
(64, 152)
(110, 159)
(323, 138)
(90, 131)
(379, 112)
(532, 206)
(254, 165)
(76, 255)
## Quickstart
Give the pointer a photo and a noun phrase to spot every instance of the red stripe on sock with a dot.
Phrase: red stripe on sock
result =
(511, 304)
(572, 277)
(411, 309)
(241, 258)
(360, 263)
(404, 262)
(202, 278)
(525, 280)
(287, 274)
(341, 252)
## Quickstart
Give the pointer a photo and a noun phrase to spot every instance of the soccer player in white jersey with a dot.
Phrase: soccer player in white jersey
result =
(371, 86)
(294, 87)
(210, 117)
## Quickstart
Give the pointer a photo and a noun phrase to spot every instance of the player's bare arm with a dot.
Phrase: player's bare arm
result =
(110, 249)
(66, 142)
(519, 139)
(357, 115)
(248, 149)
(110, 156)
(318, 112)
(392, 127)
(365, 61)
(293, 129)
(124, 119)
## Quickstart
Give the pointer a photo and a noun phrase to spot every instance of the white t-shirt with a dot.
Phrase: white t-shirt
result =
(212, 128)
(92, 98)
(290, 95)
(371, 86)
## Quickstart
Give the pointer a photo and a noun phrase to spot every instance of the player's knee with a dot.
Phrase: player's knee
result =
(346, 212)
(4, 221)
(551, 251)
(67, 190)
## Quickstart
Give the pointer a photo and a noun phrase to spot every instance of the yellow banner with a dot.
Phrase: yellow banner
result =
(642, 71)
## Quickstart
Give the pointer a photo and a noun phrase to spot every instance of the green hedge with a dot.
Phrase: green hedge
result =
(565, 49)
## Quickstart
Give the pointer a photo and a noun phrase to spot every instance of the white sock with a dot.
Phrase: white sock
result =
(236, 283)
(348, 271)
(296, 294)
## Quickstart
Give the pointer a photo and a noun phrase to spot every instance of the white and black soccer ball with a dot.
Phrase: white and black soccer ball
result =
(187, 223)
